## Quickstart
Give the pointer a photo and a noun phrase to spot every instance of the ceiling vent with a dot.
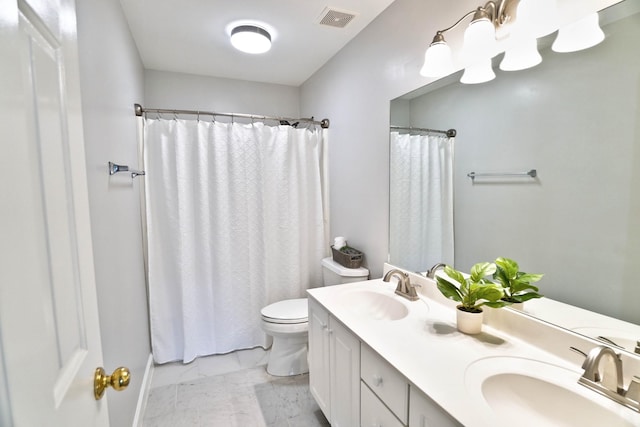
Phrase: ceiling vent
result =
(335, 18)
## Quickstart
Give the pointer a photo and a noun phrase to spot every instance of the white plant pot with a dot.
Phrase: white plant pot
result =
(468, 323)
(518, 306)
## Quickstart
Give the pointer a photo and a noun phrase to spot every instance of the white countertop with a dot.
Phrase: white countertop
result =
(427, 349)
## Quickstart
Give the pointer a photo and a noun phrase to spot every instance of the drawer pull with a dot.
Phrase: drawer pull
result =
(377, 380)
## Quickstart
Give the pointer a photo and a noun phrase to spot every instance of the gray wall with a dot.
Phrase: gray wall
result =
(354, 90)
(190, 92)
(111, 81)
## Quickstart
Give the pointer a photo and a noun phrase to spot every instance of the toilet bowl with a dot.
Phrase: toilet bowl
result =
(288, 323)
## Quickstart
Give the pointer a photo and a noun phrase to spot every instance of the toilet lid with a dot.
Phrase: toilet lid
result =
(287, 311)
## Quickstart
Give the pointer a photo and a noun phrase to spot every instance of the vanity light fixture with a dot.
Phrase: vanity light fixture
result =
(438, 60)
(479, 38)
(521, 51)
(478, 72)
(251, 39)
(521, 55)
(580, 35)
(519, 23)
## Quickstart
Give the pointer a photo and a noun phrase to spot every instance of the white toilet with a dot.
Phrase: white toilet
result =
(288, 323)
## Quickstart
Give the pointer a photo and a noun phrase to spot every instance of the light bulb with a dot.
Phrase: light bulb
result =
(580, 35)
(480, 40)
(478, 72)
(521, 55)
(536, 18)
(438, 60)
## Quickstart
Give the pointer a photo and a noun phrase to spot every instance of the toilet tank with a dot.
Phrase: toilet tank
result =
(335, 274)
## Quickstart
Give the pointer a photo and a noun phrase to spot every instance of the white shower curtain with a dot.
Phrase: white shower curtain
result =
(235, 222)
(421, 200)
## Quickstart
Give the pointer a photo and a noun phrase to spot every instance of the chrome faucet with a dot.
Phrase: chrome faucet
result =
(404, 288)
(613, 343)
(431, 274)
(591, 366)
(609, 341)
(592, 378)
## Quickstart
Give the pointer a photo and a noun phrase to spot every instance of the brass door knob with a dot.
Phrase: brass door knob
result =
(119, 380)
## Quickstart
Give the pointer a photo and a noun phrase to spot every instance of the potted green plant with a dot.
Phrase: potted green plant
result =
(472, 293)
(516, 285)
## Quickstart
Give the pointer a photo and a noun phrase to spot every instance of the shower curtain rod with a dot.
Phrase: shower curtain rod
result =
(324, 123)
(450, 133)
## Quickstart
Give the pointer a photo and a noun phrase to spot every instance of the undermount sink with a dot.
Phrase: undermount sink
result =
(374, 305)
(534, 393)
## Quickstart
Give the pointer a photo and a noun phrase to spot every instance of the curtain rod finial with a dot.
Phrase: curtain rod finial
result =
(138, 109)
(324, 124)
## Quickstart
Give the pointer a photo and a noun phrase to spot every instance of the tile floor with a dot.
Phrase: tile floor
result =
(229, 390)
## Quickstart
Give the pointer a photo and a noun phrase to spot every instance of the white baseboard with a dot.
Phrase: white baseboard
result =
(144, 393)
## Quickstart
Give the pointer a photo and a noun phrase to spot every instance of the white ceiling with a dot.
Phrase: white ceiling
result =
(192, 36)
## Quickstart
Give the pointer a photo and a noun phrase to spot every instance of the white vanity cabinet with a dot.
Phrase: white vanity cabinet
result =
(385, 382)
(388, 399)
(319, 381)
(374, 412)
(355, 386)
(424, 412)
(334, 367)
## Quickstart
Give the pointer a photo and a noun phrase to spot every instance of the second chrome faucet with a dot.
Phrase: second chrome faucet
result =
(431, 273)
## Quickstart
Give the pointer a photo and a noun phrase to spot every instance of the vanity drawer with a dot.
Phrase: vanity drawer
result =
(424, 412)
(373, 413)
(385, 382)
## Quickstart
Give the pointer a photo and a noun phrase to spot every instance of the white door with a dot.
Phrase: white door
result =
(49, 332)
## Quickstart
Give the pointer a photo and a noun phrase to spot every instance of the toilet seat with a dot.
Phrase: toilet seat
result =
(286, 312)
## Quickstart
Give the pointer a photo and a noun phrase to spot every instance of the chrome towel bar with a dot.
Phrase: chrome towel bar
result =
(115, 168)
(532, 173)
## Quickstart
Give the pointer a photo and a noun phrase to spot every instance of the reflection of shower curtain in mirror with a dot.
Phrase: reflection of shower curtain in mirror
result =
(421, 201)
(235, 222)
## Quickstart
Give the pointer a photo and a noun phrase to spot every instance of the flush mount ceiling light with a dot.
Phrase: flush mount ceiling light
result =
(494, 21)
(251, 39)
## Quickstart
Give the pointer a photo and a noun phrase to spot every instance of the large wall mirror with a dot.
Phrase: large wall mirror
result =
(575, 119)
